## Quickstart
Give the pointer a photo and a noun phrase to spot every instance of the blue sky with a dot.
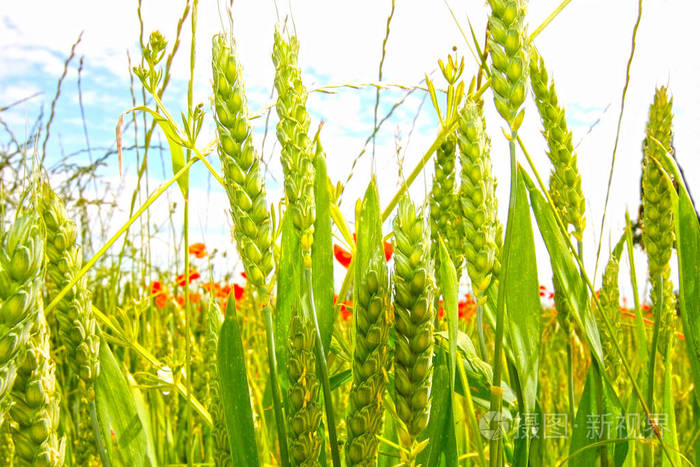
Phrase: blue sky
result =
(586, 49)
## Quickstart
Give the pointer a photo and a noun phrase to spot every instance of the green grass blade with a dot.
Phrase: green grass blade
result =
(565, 268)
(235, 394)
(289, 280)
(590, 426)
(127, 440)
(449, 287)
(322, 255)
(442, 448)
(688, 244)
(523, 307)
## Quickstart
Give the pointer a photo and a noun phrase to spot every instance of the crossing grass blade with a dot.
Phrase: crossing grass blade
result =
(288, 290)
(235, 394)
(442, 448)
(591, 425)
(124, 428)
(523, 305)
(564, 268)
(688, 244)
(322, 254)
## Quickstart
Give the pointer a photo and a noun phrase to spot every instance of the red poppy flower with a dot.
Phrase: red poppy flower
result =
(238, 291)
(161, 300)
(194, 275)
(195, 297)
(211, 287)
(243, 275)
(156, 287)
(346, 310)
(388, 250)
(180, 300)
(199, 250)
(224, 291)
(342, 256)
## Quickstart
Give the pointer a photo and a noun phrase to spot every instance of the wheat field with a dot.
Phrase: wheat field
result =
(448, 314)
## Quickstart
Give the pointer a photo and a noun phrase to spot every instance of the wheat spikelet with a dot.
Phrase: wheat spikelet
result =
(658, 231)
(565, 179)
(241, 164)
(413, 299)
(292, 129)
(477, 196)
(506, 44)
(21, 257)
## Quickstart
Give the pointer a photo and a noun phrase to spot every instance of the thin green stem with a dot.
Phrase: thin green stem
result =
(98, 434)
(323, 370)
(275, 383)
(496, 392)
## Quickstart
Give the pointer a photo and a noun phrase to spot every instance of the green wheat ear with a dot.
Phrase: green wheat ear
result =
(507, 42)
(658, 231)
(372, 323)
(21, 259)
(477, 197)
(304, 411)
(413, 308)
(292, 133)
(241, 165)
(565, 180)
